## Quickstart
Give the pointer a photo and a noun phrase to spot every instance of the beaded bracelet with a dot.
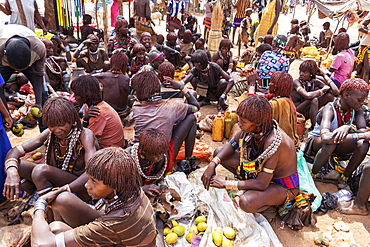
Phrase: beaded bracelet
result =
(187, 95)
(355, 137)
(40, 204)
(234, 144)
(182, 87)
(231, 185)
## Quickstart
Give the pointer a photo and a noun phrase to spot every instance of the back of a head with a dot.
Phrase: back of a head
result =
(354, 84)
(166, 69)
(263, 47)
(283, 83)
(88, 87)
(18, 53)
(146, 84)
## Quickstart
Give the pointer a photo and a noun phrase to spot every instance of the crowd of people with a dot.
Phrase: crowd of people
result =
(95, 186)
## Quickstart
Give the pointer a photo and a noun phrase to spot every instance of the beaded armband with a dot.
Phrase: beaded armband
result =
(234, 144)
(355, 137)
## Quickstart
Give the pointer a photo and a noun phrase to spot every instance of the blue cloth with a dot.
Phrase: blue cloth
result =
(176, 7)
(5, 146)
(271, 62)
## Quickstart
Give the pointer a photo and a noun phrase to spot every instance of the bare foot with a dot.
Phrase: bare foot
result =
(352, 209)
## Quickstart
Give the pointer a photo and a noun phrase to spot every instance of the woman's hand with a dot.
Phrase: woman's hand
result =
(50, 196)
(12, 184)
(93, 111)
(218, 182)
(208, 174)
(152, 190)
(172, 83)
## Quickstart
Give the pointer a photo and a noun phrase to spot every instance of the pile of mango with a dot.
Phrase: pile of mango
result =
(224, 238)
(172, 234)
(198, 229)
(179, 75)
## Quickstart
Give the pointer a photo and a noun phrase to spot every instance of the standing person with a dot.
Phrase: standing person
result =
(268, 23)
(261, 155)
(334, 133)
(362, 59)
(143, 19)
(68, 148)
(175, 9)
(122, 215)
(25, 53)
(93, 58)
(208, 9)
(240, 7)
(342, 65)
(310, 94)
(116, 84)
(23, 12)
(99, 116)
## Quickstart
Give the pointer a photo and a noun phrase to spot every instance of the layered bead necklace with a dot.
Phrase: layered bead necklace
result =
(344, 118)
(51, 64)
(73, 137)
(91, 53)
(135, 156)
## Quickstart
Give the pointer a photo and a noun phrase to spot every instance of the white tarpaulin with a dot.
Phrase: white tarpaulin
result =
(336, 9)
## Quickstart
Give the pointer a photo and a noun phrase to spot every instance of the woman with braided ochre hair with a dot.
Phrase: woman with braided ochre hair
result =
(68, 148)
(122, 215)
(261, 155)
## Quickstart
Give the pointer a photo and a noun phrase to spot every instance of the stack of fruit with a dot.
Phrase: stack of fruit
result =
(224, 238)
(35, 156)
(198, 229)
(18, 130)
(34, 114)
(173, 233)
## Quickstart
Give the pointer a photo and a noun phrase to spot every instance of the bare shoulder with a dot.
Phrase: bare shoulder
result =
(87, 135)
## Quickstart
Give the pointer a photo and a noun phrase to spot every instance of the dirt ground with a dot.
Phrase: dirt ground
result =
(359, 225)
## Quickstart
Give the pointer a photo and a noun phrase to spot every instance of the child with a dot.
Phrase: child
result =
(173, 56)
(139, 59)
(224, 56)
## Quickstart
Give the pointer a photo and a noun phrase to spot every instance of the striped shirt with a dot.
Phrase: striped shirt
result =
(134, 226)
(240, 7)
(176, 7)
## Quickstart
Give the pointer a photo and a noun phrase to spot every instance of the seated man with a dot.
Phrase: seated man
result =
(68, 148)
(261, 155)
(309, 93)
(325, 36)
(93, 58)
(116, 84)
(334, 134)
(122, 215)
(153, 155)
(151, 111)
(99, 116)
(294, 43)
(206, 80)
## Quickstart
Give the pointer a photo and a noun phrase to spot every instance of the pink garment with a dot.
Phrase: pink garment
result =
(114, 12)
(343, 63)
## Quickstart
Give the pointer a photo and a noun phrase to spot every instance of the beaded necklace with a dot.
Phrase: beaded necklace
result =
(73, 137)
(116, 204)
(135, 156)
(343, 116)
(91, 53)
(50, 66)
(250, 167)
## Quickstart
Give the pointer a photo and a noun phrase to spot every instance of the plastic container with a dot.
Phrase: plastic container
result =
(227, 124)
(218, 128)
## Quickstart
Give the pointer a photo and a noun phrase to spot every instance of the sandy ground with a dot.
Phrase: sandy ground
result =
(359, 225)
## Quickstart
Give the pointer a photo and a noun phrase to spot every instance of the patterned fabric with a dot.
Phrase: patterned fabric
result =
(237, 21)
(120, 42)
(240, 7)
(271, 62)
(173, 24)
(268, 16)
(289, 182)
(176, 7)
(207, 22)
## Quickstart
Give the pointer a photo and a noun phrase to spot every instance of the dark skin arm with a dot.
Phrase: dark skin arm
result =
(277, 13)
(88, 142)
(5, 8)
(334, 89)
(309, 95)
(38, 18)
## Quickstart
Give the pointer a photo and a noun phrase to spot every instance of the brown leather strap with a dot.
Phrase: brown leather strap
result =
(21, 12)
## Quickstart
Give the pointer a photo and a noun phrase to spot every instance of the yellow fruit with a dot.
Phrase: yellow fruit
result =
(30, 159)
(189, 237)
(171, 238)
(217, 238)
(17, 129)
(202, 226)
(200, 219)
(179, 230)
(174, 223)
(227, 243)
(36, 112)
(229, 232)
(166, 230)
(193, 229)
(37, 156)
(19, 134)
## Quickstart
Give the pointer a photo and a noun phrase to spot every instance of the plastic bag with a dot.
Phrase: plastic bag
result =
(207, 123)
(201, 151)
(306, 182)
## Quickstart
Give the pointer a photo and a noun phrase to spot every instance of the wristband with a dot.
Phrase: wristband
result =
(11, 159)
(223, 96)
(182, 87)
(216, 160)
(11, 165)
(40, 204)
(231, 185)
(299, 88)
(355, 137)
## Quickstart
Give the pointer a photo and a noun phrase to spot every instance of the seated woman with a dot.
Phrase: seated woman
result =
(224, 56)
(151, 111)
(68, 148)
(122, 38)
(261, 155)
(55, 68)
(153, 155)
(140, 58)
(122, 216)
(309, 93)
